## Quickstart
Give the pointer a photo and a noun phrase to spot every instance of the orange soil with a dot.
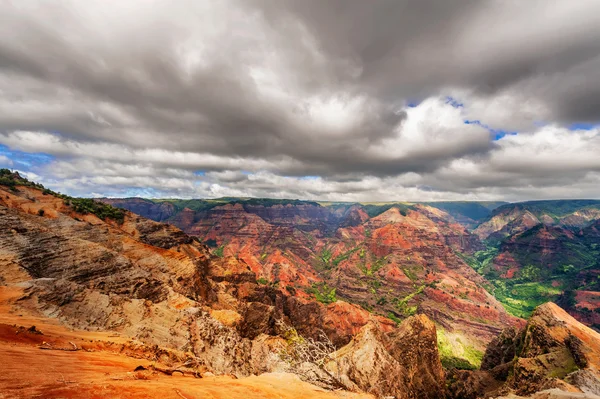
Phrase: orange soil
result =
(28, 371)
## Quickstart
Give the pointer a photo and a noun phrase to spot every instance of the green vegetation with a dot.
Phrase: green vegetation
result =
(326, 261)
(412, 272)
(456, 354)
(537, 275)
(336, 261)
(403, 306)
(323, 293)
(374, 267)
(394, 318)
(520, 299)
(212, 243)
(13, 179)
(480, 260)
(100, 209)
(262, 281)
(219, 251)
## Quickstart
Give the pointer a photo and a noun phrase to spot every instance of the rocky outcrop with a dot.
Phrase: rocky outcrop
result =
(402, 364)
(554, 394)
(556, 348)
(502, 349)
(553, 351)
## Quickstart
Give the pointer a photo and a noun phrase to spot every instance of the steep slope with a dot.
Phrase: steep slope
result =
(400, 263)
(540, 251)
(400, 369)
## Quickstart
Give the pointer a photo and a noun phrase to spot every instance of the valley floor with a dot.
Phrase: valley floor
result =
(65, 363)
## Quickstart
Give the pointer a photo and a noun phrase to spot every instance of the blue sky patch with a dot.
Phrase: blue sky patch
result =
(454, 102)
(583, 126)
(497, 134)
(25, 161)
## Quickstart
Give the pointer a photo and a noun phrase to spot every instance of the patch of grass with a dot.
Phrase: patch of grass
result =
(520, 299)
(326, 261)
(262, 281)
(403, 306)
(336, 261)
(100, 209)
(374, 267)
(455, 354)
(480, 260)
(323, 293)
(219, 251)
(411, 272)
(394, 318)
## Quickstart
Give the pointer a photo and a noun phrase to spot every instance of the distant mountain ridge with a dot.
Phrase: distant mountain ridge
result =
(467, 212)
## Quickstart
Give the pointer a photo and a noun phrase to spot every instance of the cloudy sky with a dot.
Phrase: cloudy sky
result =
(315, 99)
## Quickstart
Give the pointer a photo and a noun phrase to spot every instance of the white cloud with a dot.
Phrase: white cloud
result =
(248, 97)
(5, 161)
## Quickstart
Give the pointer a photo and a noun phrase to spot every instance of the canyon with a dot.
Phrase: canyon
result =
(280, 298)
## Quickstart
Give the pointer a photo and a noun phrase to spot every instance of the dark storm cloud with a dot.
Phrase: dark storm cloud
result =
(295, 88)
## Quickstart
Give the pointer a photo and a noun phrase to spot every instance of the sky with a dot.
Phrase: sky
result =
(342, 100)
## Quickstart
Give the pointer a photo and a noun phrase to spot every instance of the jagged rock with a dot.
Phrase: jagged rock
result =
(403, 364)
(501, 349)
(467, 384)
(553, 351)
(554, 346)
